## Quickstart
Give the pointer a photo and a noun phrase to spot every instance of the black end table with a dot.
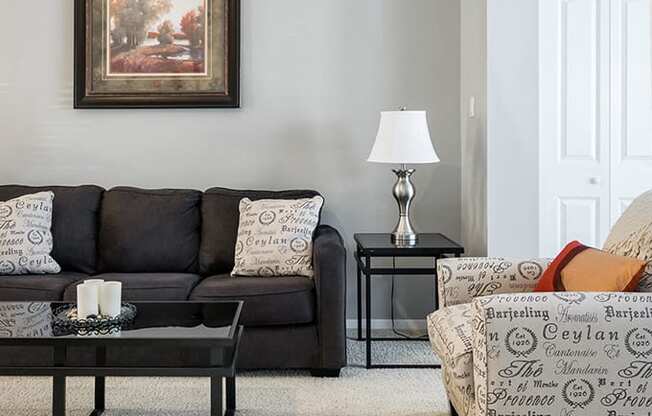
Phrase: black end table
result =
(209, 328)
(380, 245)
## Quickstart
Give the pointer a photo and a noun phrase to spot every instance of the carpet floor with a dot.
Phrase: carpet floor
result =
(400, 392)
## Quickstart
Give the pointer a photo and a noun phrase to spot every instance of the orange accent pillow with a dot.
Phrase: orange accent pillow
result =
(579, 268)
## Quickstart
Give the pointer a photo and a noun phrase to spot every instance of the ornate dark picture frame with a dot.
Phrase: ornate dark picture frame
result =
(170, 63)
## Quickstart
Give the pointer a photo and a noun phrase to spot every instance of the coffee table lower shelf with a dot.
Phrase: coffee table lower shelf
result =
(222, 381)
(222, 389)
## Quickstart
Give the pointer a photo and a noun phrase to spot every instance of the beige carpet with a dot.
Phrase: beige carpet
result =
(357, 392)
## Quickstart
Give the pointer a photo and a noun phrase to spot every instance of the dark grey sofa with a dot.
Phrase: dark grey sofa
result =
(179, 245)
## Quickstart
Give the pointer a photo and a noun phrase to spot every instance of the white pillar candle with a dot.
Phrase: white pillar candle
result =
(97, 283)
(86, 300)
(110, 298)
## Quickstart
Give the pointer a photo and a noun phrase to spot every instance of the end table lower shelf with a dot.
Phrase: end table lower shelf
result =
(368, 246)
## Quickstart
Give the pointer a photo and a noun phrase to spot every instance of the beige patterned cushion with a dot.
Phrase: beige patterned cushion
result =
(449, 330)
(481, 358)
(645, 284)
(21, 319)
(637, 215)
(458, 381)
(275, 237)
(450, 334)
(637, 244)
(462, 279)
(632, 236)
(25, 236)
(564, 353)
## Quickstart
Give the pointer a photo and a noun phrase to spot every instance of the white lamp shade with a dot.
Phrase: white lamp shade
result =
(403, 137)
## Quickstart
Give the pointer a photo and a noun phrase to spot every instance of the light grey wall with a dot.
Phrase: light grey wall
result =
(513, 128)
(315, 75)
(473, 41)
(500, 155)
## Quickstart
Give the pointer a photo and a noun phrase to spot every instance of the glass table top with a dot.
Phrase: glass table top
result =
(427, 244)
(153, 320)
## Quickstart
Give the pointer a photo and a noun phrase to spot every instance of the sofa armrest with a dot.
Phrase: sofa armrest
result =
(461, 279)
(329, 260)
(563, 353)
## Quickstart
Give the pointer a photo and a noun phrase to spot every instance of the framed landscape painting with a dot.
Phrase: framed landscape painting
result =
(157, 53)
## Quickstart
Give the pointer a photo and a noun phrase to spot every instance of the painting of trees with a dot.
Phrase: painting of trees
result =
(193, 26)
(156, 53)
(130, 19)
(157, 36)
(166, 33)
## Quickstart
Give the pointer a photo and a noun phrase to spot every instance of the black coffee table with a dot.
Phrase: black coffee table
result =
(209, 328)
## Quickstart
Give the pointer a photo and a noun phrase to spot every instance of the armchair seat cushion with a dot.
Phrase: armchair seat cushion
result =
(146, 286)
(450, 333)
(458, 381)
(40, 287)
(287, 300)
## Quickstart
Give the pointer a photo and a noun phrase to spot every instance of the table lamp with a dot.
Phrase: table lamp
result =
(403, 138)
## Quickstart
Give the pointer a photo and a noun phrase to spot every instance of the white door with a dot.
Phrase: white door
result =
(631, 102)
(573, 123)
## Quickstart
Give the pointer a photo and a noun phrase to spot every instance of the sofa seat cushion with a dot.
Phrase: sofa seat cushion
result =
(146, 286)
(36, 287)
(284, 300)
(450, 335)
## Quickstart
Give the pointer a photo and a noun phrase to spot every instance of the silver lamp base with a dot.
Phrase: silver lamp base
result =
(404, 234)
(404, 239)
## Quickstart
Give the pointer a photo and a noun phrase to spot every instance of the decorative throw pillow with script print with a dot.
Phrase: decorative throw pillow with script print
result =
(275, 237)
(25, 236)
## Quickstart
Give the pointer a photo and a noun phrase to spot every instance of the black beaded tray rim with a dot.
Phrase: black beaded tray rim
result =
(63, 325)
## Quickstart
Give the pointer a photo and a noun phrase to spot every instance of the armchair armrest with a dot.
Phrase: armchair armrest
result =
(329, 261)
(564, 353)
(459, 280)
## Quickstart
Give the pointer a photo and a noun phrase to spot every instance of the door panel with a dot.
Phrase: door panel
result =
(574, 123)
(631, 101)
(579, 76)
(579, 220)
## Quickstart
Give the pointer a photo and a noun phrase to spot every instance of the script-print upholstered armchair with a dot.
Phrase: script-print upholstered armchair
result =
(508, 351)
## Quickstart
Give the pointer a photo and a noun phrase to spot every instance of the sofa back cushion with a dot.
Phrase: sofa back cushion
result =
(74, 223)
(149, 230)
(220, 219)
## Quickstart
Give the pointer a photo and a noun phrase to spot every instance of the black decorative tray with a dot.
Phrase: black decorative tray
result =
(65, 321)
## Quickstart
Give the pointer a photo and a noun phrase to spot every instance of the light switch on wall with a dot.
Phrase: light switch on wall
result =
(472, 107)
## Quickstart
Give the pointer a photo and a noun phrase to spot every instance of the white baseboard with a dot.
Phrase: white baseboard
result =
(403, 324)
